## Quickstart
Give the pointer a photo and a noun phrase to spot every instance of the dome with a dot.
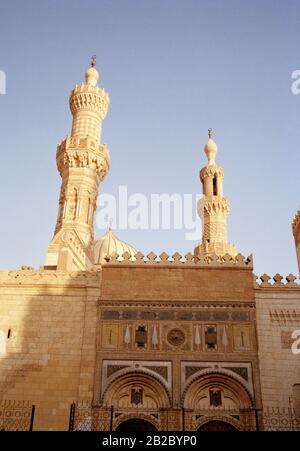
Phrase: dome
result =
(108, 244)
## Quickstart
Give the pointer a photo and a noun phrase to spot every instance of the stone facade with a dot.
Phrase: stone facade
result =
(278, 316)
(191, 331)
(149, 345)
(98, 340)
(49, 357)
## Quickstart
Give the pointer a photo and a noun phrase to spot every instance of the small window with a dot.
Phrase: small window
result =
(215, 190)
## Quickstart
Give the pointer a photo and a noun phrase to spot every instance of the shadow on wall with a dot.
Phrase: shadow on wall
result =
(48, 325)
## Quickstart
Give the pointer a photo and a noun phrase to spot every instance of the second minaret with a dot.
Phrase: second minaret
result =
(213, 208)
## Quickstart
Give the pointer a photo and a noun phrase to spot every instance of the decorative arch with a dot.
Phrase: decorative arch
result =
(137, 369)
(136, 390)
(218, 397)
(230, 385)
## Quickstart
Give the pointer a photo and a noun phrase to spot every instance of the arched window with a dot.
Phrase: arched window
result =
(215, 187)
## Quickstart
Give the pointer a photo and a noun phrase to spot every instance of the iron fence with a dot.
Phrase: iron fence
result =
(84, 416)
(16, 415)
(87, 417)
(280, 419)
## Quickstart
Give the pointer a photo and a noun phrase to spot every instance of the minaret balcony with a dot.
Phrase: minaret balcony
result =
(216, 204)
(82, 152)
(91, 98)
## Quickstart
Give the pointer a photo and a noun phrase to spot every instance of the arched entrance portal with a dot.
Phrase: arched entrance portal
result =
(138, 398)
(217, 426)
(219, 402)
(134, 425)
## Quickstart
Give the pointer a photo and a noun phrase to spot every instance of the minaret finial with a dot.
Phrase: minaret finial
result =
(210, 148)
(92, 75)
(93, 61)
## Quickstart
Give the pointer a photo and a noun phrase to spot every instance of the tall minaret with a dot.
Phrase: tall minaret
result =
(82, 163)
(213, 208)
(296, 233)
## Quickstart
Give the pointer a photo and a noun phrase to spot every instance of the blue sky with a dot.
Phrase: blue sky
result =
(172, 69)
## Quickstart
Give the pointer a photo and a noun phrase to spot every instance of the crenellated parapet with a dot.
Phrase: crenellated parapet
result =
(277, 281)
(74, 152)
(214, 260)
(36, 277)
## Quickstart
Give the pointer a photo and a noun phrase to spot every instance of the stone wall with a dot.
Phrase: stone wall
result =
(182, 281)
(278, 315)
(49, 356)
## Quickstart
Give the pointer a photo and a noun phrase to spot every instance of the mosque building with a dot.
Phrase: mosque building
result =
(104, 338)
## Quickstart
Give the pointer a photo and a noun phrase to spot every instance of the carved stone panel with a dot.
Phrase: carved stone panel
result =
(174, 315)
(110, 336)
(176, 337)
(241, 338)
